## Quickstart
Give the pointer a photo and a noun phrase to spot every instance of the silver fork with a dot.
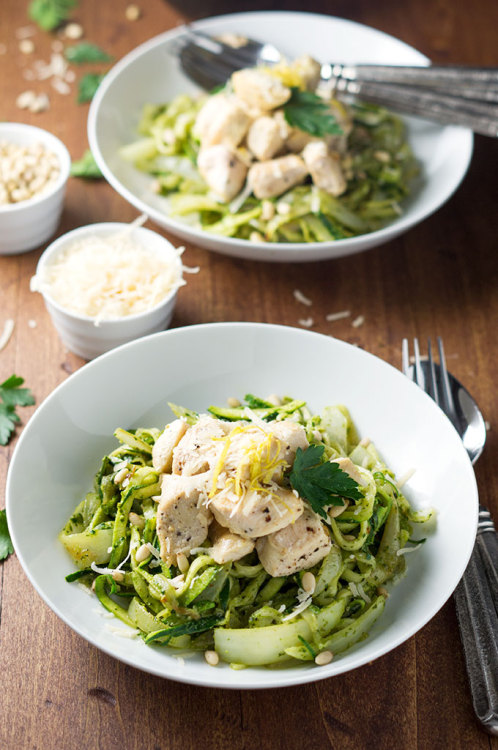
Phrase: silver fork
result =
(476, 596)
(455, 95)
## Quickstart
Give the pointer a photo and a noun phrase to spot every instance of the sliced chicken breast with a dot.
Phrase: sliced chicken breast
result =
(182, 516)
(198, 449)
(227, 547)
(324, 167)
(162, 451)
(254, 513)
(298, 546)
(274, 177)
(259, 90)
(222, 170)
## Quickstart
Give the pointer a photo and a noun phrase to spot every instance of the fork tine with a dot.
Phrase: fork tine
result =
(405, 358)
(419, 375)
(433, 389)
(449, 406)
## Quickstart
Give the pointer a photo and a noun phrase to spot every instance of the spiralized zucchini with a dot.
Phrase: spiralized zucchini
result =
(237, 608)
(379, 167)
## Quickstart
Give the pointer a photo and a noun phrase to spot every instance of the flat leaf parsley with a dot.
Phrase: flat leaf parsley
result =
(12, 396)
(86, 52)
(86, 167)
(6, 546)
(49, 14)
(309, 112)
(321, 484)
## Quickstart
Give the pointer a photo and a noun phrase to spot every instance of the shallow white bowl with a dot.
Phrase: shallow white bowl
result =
(151, 73)
(28, 224)
(79, 332)
(197, 366)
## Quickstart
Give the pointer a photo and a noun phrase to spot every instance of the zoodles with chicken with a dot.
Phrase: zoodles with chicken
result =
(259, 533)
(273, 158)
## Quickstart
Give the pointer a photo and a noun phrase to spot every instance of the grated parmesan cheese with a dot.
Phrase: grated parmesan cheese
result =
(300, 297)
(357, 322)
(108, 278)
(337, 315)
(7, 333)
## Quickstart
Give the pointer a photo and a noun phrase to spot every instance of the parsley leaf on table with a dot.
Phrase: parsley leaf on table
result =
(309, 112)
(11, 396)
(85, 52)
(321, 484)
(49, 14)
(6, 547)
(86, 167)
(88, 85)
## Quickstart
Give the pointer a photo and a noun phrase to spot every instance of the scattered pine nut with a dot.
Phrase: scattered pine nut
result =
(212, 658)
(182, 562)
(274, 399)
(308, 582)
(26, 46)
(256, 237)
(136, 520)
(142, 553)
(73, 31)
(382, 591)
(323, 658)
(233, 402)
(118, 576)
(133, 13)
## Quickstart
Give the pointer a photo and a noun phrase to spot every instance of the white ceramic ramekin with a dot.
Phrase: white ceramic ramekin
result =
(30, 223)
(79, 332)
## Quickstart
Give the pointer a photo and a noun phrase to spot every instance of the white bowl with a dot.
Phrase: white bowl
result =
(28, 224)
(197, 366)
(443, 152)
(80, 333)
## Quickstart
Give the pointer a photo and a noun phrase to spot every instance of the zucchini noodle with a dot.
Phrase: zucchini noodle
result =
(237, 607)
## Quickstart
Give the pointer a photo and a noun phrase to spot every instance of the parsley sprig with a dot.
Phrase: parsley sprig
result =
(86, 167)
(88, 85)
(12, 396)
(6, 546)
(309, 112)
(86, 52)
(49, 14)
(321, 484)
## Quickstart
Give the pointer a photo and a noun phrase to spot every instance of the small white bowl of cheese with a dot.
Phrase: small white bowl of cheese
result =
(107, 284)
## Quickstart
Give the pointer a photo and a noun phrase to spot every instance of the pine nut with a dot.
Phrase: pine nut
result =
(136, 520)
(274, 399)
(323, 658)
(308, 582)
(73, 31)
(118, 576)
(182, 562)
(133, 13)
(232, 402)
(142, 553)
(212, 658)
(26, 47)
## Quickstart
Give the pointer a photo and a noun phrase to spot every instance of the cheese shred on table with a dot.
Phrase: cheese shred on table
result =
(109, 277)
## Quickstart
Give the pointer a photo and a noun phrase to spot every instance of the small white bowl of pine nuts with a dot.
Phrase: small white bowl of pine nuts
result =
(34, 167)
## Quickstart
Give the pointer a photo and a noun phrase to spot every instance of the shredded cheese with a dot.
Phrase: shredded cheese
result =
(7, 333)
(338, 315)
(111, 277)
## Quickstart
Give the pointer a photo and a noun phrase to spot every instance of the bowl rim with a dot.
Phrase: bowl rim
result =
(61, 152)
(107, 227)
(272, 680)
(348, 245)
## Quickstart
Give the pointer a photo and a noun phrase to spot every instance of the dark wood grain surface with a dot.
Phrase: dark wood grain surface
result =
(441, 278)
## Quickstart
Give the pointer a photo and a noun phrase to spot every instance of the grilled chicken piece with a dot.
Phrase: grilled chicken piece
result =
(345, 464)
(221, 120)
(182, 517)
(309, 70)
(291, 437)
(227, 547)
(222, 170)
(256, 514)
(198, 449)
(162, 451)
(265, 138)
(324, 167)
(297, 546)
(259, 90)
(274, 177)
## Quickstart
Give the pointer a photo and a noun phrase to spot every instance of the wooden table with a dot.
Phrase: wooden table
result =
(440, 278)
